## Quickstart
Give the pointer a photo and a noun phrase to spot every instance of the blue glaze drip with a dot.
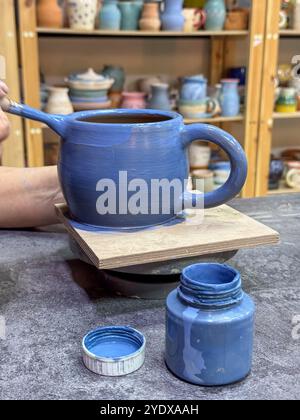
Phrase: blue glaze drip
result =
(209, 327)
(146, 144)
(113, 342)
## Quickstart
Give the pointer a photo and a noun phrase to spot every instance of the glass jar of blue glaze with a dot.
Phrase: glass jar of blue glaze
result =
(209, 326)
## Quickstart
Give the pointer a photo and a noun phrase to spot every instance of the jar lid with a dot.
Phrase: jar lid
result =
(114, 351)
(89, 76)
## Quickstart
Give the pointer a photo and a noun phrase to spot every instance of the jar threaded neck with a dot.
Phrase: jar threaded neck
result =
(211, 286)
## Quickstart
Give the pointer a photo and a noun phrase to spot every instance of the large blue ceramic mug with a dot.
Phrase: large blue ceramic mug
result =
(111, 150)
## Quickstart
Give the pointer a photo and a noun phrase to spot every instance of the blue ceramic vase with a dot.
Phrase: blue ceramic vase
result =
(194, 88)
(131, 12)
(118, 74)
(276, 173)
(110, 16)
(110, 155)
(230, 98)
(160, 98)
(215, 15)
(172, 18)
(209, 326)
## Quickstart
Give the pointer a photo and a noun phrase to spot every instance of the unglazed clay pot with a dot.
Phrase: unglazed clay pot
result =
(150, 20)
(49, 14)
(133, 100)
(82, 14)
(116, 157)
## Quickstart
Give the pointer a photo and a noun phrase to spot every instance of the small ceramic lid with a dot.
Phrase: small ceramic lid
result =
(114, 351)
(89, 76)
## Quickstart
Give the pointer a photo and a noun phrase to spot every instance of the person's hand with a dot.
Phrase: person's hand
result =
(4, 123)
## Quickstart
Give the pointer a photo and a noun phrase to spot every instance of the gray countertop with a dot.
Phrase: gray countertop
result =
(49, 301)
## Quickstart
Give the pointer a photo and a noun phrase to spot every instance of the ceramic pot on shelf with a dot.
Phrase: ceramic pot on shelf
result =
(130, 14)
(194, 88)
(150, 20)
(118, 74)
(194, 19)
(276, 173)
(133, 100)
(215, 15)
(59, 101)
(146, 83)
(82, 14)
(110, 16)
(199, 155)
(230, 98)
(172, 17)
(50, 13)
(203, 180)
(160, 97)
(221, 172)
(147, 145)
(287, 101)
(237, 20)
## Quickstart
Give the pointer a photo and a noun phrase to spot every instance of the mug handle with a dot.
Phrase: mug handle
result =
(236, 154)
(212, 107)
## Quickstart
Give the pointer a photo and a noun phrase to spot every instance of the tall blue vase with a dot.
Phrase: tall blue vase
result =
(215, 15)
(110, 16)
(131, 12)
(160, 98)
(230, 98)
(172, 17)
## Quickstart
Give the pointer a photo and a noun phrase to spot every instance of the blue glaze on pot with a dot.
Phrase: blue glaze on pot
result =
(230, 98)
(93, 151)
(131, 12)
(194, 88)
(160, 98)
(215, 15)
(114, 342)
(172, 18)
(209, 326)
(118, 74)
(110, 15)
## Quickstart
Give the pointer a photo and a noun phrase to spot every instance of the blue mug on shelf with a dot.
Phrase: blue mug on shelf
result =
(194, 88)
(114, 149)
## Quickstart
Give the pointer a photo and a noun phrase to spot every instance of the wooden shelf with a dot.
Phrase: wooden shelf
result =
(284, 190)
(214, 120)
(289, 33)
(285, 116)
(161, 34)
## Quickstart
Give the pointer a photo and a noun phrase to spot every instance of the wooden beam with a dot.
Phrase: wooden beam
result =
(254, 85)
(31, 79)
(13, 148)
(267, 96)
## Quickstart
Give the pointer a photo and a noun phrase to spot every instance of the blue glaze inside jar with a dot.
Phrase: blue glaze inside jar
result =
(113, 342)
(210, 325)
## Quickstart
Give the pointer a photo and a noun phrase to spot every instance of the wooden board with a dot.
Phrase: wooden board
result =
(13, 148)
(223, 229)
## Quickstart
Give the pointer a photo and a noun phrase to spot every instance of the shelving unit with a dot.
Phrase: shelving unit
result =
(37, 45)
(270, 121)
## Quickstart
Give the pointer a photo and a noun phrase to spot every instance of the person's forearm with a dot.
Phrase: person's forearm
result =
(27, 196)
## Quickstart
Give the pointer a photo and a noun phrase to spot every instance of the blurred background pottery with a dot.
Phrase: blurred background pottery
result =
(116, 99)
(293, 178)
(287, 101)
(215, 15)
(146, 83)
(205, 108)
(194, 88)
(110, 16)
(133, 100)
(150, 20)
(172, 17)
(194, 19)
(237, 20)
(221, 172)
(50, 13)
(276, 173)
(130, 14)
(118, 74)
(284, 74)
(199, 155)
(203, 180)
(59, 101)
(230, 98)
(160, 97)
(82, 14)
(296, 16)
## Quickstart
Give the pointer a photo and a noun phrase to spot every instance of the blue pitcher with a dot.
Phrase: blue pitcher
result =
(108, 157)
(172, 18)
(110, 16)
(194, 88)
